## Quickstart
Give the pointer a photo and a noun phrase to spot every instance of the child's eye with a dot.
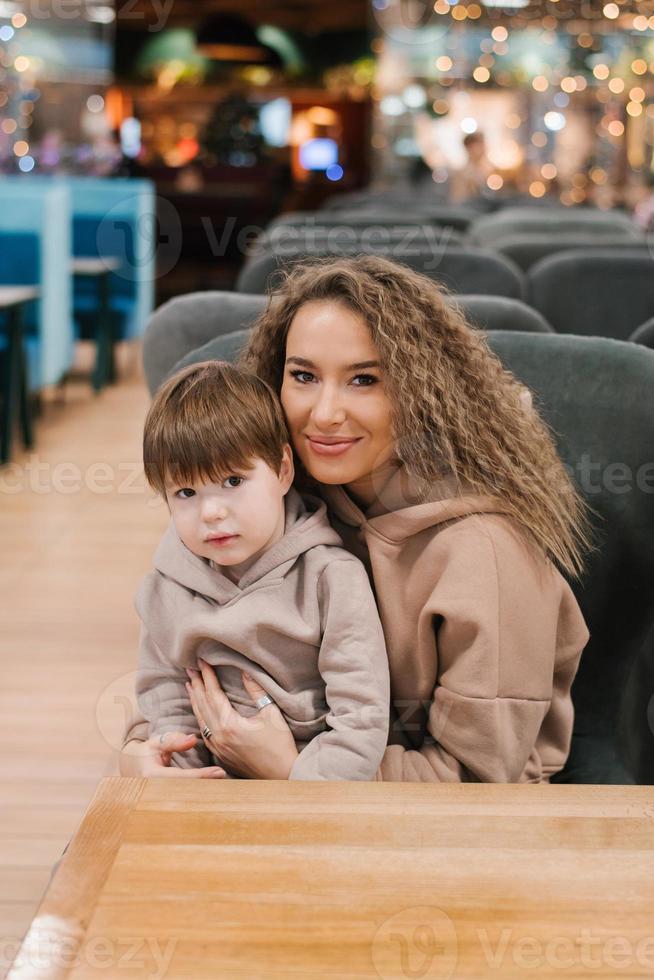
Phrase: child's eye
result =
(228, 482)
(302, 376)
(185, 493)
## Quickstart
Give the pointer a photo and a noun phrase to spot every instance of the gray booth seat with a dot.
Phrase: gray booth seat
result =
(379, 214)
(488, 229)
(292, 240)
(502, 313)
(644, 334)
(598, 397)
(599, 293)
(395, 195)
(463, 269)
(190, 321)
(527, 249)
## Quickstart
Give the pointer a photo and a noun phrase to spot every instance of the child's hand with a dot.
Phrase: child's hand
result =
(153, 758)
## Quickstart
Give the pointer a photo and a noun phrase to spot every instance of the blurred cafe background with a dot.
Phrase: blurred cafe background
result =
(160, 160)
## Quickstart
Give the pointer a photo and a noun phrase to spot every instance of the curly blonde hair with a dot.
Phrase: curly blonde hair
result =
(455, 410)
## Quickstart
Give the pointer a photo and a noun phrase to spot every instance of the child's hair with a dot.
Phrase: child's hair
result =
(208, 420)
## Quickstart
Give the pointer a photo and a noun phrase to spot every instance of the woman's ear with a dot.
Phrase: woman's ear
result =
(286, 469)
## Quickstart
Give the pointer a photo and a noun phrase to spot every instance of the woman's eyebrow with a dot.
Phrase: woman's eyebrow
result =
(349, 367)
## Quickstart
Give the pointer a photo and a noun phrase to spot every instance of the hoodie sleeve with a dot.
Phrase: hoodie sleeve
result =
(508, 638)
(164, 703)
(354, 666)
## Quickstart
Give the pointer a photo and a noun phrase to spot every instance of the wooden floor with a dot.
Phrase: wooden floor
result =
(78, 527)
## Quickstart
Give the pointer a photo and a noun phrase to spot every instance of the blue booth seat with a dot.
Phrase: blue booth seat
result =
(20, 265)
(117, 241)
(115, 218)
(35, 251)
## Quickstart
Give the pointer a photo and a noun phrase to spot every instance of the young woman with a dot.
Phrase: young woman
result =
(442, 478)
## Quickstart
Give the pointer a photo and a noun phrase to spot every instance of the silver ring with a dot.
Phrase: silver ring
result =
(206, 732)
(263, 701)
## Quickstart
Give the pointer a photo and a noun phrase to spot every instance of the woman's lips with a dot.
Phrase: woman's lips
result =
(331, 448)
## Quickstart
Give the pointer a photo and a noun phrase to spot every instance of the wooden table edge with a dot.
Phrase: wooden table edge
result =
(72, 894)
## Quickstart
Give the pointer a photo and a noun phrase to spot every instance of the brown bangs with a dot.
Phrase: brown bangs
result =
(208, 421)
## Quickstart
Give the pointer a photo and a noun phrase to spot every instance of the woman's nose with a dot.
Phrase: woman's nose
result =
(328, 408)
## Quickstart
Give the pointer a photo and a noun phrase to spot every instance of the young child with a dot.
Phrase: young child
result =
(250, 576)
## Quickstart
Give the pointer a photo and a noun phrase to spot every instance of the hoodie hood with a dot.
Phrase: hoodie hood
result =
(398, 513)
(306, 525)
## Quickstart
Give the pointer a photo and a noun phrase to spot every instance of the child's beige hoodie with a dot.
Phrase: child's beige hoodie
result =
(483, 635)
(302, 621)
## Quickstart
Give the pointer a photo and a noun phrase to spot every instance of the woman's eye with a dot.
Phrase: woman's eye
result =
(233, 481)
(302, 376)
(367, 380)
(185, 493)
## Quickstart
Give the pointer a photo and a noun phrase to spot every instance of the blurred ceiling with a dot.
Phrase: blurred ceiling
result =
(308, 16)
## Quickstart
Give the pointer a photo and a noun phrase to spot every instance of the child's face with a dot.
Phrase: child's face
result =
(235, 521)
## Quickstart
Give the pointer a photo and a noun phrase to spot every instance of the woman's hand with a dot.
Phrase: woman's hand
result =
(261, 747)
(153, 758)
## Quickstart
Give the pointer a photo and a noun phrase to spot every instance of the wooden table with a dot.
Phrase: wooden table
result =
(205, 879)
(100, 269)
(15, 383)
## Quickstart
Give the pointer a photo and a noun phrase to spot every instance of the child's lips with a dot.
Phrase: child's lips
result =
(221, 539)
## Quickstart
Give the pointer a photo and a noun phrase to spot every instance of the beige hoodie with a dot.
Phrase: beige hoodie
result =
(483, 634)
(301, 620)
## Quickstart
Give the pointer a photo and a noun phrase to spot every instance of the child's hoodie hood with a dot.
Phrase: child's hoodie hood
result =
(306, 525)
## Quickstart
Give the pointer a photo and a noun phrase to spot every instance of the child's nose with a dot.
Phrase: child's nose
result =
(214, 510)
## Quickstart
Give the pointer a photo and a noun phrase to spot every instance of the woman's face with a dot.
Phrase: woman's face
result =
(333, 395)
